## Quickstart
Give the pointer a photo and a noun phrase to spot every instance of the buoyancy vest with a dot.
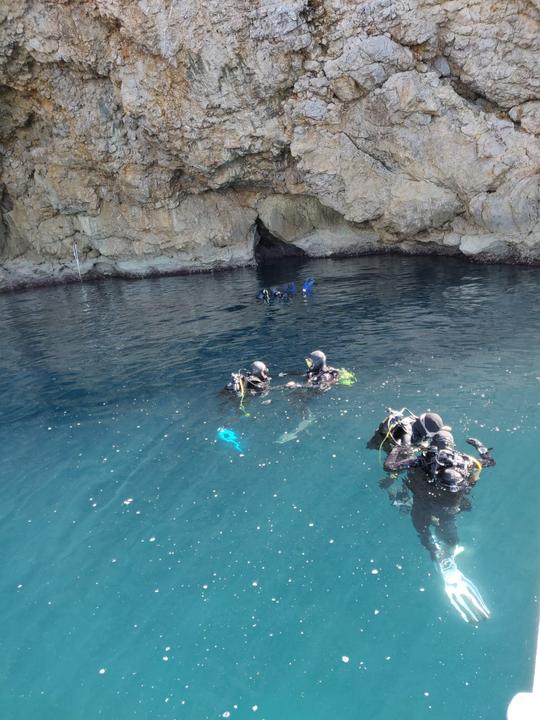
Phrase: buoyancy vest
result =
(322, 375)
(448, 468)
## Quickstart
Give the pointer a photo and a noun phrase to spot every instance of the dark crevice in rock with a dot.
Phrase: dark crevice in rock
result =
(481, 102)
(269, 248)
(6, 205)
(376, 157)
(319, 22)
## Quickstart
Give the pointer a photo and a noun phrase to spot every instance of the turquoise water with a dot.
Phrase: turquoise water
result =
(151, 571)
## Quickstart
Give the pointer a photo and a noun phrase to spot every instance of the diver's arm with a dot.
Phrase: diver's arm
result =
(400, 458)
(485, 453)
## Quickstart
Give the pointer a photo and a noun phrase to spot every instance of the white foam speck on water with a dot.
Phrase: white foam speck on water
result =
(255, 708)
(374, 571)
(102, 671)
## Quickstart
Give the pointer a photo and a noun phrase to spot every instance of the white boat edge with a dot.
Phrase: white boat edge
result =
(526, 705)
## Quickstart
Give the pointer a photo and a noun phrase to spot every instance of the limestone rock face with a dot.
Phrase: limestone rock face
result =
(152, 136)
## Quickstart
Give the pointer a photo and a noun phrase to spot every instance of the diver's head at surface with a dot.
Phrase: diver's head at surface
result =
(260, 370)
(428, 424)
(443, 440)
(316, 360)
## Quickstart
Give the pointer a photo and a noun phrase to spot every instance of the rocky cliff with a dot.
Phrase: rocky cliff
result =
(168, 135)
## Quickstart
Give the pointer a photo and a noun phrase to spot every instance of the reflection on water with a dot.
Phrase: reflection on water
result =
(197, 580)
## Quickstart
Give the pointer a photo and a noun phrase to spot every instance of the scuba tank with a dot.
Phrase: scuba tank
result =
(394, 424)
(235, 384)
(447, 467)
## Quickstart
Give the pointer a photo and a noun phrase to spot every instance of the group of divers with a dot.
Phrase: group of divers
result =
(438, 478)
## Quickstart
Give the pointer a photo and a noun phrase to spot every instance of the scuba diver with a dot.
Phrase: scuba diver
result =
(285, 292)
(402, 427)
(270, 295)
(440, 478)
(257, 381)
(319, 374)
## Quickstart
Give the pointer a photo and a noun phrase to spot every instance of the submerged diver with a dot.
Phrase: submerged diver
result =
(253, 383)
(320, 376)
(439, 479)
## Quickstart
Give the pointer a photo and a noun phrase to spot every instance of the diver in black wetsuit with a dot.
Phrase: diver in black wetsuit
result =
(319, 374)
(439, 478)
(253, 383)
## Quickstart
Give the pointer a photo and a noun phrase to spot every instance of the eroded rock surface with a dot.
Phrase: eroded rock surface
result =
(153, 134)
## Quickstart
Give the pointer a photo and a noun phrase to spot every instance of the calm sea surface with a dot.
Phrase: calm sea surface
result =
(152, 571)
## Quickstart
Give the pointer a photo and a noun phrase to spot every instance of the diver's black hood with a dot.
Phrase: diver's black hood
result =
(427, 425)
(443, 440)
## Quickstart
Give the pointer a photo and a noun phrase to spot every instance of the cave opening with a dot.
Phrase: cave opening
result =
(270, 249)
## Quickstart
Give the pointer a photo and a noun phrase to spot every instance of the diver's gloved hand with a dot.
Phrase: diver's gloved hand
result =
(483, 451)
(463, 593)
